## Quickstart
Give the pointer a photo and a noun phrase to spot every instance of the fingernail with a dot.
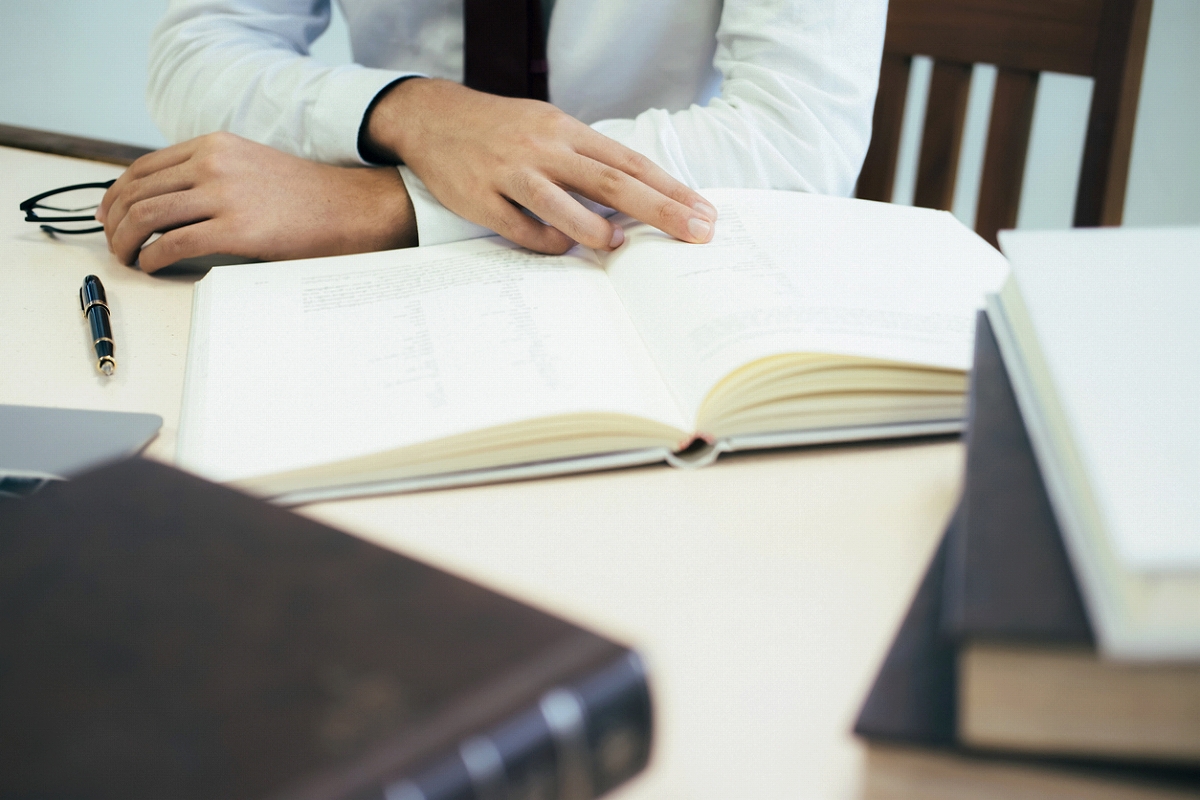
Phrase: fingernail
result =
(700, 229)
(706, 210)
(618, 238)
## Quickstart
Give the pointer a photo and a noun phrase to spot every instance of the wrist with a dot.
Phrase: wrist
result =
(385, 219)
(379, 138)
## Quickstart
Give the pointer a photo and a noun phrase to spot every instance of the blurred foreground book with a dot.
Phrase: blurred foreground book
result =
(164, 637)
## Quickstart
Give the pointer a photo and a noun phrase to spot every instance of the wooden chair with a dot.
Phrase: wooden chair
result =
(1101, 39)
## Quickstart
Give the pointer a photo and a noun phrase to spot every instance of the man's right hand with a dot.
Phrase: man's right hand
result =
(482, 156)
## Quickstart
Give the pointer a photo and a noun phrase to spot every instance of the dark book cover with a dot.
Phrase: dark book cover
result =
(1008, 573)
(1001, 570)
(913, 697)
(163, 637)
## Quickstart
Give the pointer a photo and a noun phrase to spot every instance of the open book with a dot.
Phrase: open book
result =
(807, 319)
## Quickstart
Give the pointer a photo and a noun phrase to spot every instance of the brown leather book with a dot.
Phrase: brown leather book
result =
(163, 637)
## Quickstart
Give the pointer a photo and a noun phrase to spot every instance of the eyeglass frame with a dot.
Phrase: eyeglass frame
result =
(31, 206)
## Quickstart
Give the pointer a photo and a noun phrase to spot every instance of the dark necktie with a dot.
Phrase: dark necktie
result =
(504, 48)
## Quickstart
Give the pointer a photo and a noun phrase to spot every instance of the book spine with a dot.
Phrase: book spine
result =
(577, 742)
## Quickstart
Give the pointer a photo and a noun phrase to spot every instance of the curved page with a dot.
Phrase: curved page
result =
(789, 272)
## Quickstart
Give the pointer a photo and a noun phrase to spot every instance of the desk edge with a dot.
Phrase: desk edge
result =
(62, 144)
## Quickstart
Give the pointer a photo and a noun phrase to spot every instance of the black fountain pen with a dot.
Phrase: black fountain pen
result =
(95, 308)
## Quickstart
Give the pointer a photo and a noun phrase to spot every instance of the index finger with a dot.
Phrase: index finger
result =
(599, 147)
(616, 189)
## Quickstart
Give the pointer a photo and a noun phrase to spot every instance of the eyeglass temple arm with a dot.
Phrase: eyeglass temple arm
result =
(28, 205)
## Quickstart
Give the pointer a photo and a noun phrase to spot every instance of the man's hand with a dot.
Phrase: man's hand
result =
(483, 155)
(224, 194)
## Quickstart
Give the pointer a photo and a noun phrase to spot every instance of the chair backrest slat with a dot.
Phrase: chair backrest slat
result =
(879, 168)
(1105, 170)
(945, 114)
(1007, 143)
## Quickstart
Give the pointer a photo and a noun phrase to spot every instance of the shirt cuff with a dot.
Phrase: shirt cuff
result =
(437, 224)
(337, 115)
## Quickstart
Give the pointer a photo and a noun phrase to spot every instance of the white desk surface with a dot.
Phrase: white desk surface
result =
(763, 591)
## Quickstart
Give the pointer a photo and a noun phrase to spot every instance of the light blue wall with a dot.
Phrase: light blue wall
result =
(79, 66)
(1164, 176)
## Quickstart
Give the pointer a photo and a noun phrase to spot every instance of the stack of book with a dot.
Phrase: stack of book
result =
(1053, 647)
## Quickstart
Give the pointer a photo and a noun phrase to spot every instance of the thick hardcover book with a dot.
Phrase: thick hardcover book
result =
(807, 319)
(164, 637)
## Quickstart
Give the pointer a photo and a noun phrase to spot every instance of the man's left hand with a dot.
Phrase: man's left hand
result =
(221, 193)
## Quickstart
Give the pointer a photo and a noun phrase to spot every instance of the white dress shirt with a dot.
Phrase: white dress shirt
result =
(741, 93)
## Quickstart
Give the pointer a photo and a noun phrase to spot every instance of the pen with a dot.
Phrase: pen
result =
(95, 308)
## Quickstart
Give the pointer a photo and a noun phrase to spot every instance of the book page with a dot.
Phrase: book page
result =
(309, 362)
(789, 272)
(1110, 315)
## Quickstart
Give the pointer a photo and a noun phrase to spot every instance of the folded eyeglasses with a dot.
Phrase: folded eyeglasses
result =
(70, 203)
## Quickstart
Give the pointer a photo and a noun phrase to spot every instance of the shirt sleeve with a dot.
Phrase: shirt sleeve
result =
(794, 110)
(437, 224)
(245, 67)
